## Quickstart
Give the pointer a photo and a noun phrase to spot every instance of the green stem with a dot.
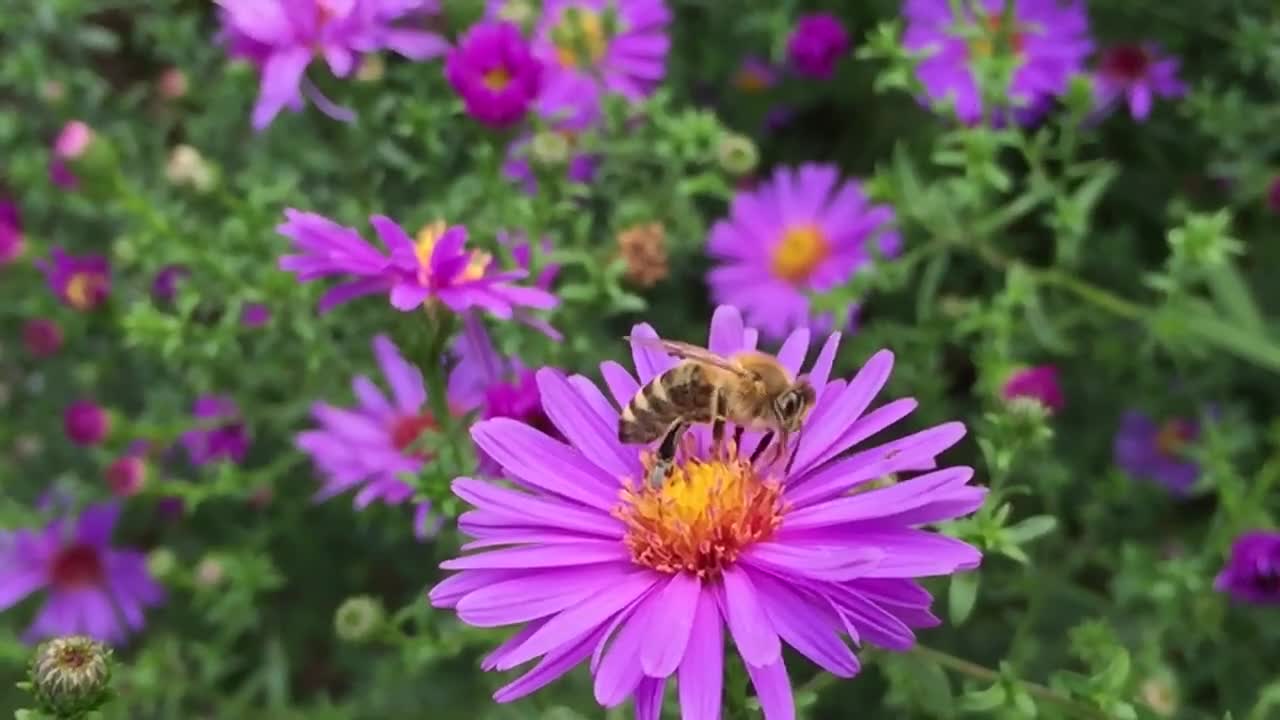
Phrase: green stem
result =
(1102, 298)
(979, 672)
(433, 372)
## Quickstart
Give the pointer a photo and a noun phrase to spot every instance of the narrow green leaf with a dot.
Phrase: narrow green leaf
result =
(1201, 321)
(962, 596)
(930, 279)
(1232, 294)
(984, 701)
(1031, 528)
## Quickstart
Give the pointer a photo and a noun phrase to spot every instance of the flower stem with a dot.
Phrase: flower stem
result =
(979, 672)
(433, 370)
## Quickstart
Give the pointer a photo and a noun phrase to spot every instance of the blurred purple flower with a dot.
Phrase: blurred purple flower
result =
(127, 474)
(1136, 74)
(92, 589)
(164, 287)
(72, 142)
(221, 433)
(755, 75)
(569, 110)
(1049, 40)
(618, 46)
(373, 444)
(426, 524)
(12, 242)
(1252, 573)
(255, 315)
(83, 283)
(801, 231)
(494, 71)
(1039, 383)
(86, 422)
(434, 267)
(282, 37)
(1157, 453)
(817, 44)
(42, 337)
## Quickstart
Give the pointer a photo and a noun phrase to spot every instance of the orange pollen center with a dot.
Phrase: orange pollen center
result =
(701, 518)
(1173, 437)
(985, 46)
(589, 30)
(407, 429)
(425, 244)
(497, 79)
(802, 249)
(76, 566)
(751, 80)
(83, 288)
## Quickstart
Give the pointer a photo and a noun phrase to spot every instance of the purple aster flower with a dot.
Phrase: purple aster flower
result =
(92, 589)
(816, 44)
(801, 231)
(647, 581)
(435, 266)
(255, 315)
(80, 282)
(164, 287)
(1252, 574)
(755, 75)
(1039, 383)
(619, 46)
(1157, 452)
(1049, 40)
(374, 444)
(86, 422)
(282, 37)
(220, 433)
(42, 337)
(12, 242)
(1136, 74)
(494, 71)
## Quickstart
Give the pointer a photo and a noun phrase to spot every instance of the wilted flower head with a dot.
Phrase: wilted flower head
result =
(643, 249)
(282, 37)
(1158, 453)
(70, 675)
(494, 71)
(1136, 74)
(375, 444)
(817, 43)
(1039, 383)
(219, 434)
(1048, 39)
(645, 580)
(92, 589)
(755, 75)
(803, 230)
(1252, 573)
(86, 422)
(83, 283)
(12, 242)
(436, 266)
(618, 46)
(42, 337)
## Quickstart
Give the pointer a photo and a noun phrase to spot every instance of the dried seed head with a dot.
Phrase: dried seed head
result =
(644, 250)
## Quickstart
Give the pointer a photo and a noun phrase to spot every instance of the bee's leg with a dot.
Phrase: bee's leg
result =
(780, 447)
(764, 445)
(717, 425)
(738, 430)
(792, 460)
(666, 453)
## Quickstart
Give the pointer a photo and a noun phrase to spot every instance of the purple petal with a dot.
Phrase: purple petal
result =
(821, 371)
(649, 361)
(574, 417)
(520, 509)
(649, 698)
(405, 379)
(18, 583)
(281, 78)
(536, 595)
(702, 670)
(570, 554)
(664, 644)
(792, 353)
(891, 503)
(855, 399)
(556, 663)
(832, 563)
(807, 626)
(449, 591)
(863, 428)
(726, 331)
(406, 296)
(621, 384)
(543, 463)
(96, 524)
(756, 639)
(619, 672)
(773, 690)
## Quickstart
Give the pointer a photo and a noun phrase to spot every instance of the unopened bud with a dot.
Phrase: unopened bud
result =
(358, 618)
(186, 166)
(737, 154)
(126, 475)
(70, 676)
(82, 157)
(549, 148)
(210, 572)
(172, 84)
(1160, 696)
(161, 563)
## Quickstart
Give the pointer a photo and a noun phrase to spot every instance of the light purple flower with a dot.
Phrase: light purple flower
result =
(374, 444)
(1039, 382)
(86, 422)
(1157, 453)
(83, 282)
(494, 71)
(803, 230)
(816, 45)
(220, 433)
(12, 242)
(435, 267)
(1252, 573)
(596, 563)
(92, 589)
(1136, 74)
(282, 37)
(618, 46)
(1049, 40)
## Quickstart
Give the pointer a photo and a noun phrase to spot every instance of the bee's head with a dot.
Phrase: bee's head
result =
(793, 405)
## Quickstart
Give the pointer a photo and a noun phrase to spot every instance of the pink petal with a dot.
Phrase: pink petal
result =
(807, 626)
(523, 510)
(664, 644)
(833, 563)
(619, 672)
(556, 663)
(580, 553)
(449, 591)
(541, 462)
(583, 428)
(821, 371)
(649, 698)
(726, 331)
(702, 670)
(862, 428)
(536, 595)
(756, 639)
(773, 690)
(792, 353)
(910, 495)
(622, 386)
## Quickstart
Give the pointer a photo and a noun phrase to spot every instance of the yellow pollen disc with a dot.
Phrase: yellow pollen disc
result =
(497, 79)
(81, 289)
(985, 46)
(478, 265)
(1172, 437)
(802, 249)
(701, 518)
(591, 30)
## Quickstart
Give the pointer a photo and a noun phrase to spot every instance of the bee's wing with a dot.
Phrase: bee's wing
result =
(687, 351)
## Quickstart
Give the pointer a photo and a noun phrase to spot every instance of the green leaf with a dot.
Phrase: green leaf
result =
(1113, 677)
(1031, 528)
(1199, 319)
(962, 596)
(930, 279)
(983, 701)
(1235, 300)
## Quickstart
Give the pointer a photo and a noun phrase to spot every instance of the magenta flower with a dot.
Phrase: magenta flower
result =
(816, 44)
(42, 337)
(255, 315)
(435, 267)
(12, 242)
(1049, 40)
(1252, 573)
(282, 37)
(127, 474)
(755, 75)
(1136, 74)
(1158, 453)
(164, 286)
(596, 563)
(374, 444)
(93, 589)
(801, 231)
(494, 71)
(219, 434)
(618, 46)
(83, 283)
(1039, 383)
(86, 422)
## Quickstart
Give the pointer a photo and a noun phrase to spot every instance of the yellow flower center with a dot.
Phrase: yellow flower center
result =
(583, 33)
(802, 249)
(985, 46)
(1173, 437)
(701, 518)
(425, 244)
(497, 79)
(82, 290)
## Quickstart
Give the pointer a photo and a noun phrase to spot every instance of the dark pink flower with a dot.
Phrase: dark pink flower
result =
(42, 337)
(255, 315)
(1136, 74)
(816, 45)
(220, 435)
(126, 475)
(164, 287)
(495, 73)
(1039, 383)
(83, 283)
(86, 422)
(12, 242)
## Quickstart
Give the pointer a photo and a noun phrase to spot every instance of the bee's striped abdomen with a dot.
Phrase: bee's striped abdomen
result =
(680, 392)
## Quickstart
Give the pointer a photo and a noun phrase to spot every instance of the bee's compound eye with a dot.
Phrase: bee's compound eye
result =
(789, 403)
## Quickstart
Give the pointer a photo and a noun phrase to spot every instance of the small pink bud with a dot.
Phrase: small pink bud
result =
(126, 475)
(73, 140)
(172, 84)
(86, 422)
(41, 337)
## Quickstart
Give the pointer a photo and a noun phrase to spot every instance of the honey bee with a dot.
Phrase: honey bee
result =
(750, 389)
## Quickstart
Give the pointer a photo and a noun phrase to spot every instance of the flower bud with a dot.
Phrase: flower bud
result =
(549, 149)
(126, 475)
(186, 166)
(255, 315)
(86, 422)
(358, 618)
(161, 563)
(70, 676)
(737, 154)
(53, 91)
(41, 337)
(210, 572)
(81, 157)
(172, 84)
